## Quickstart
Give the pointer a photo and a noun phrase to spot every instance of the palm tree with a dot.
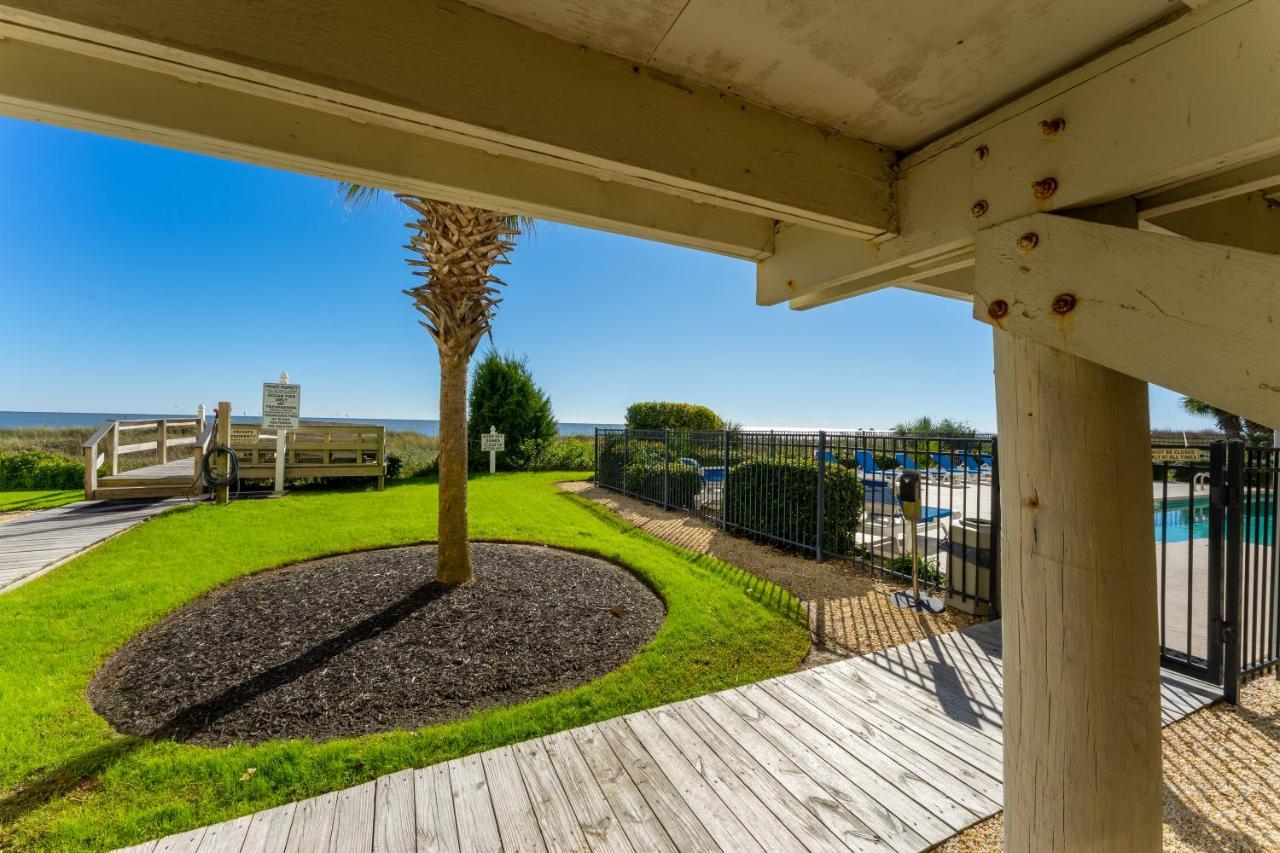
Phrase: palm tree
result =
(1226, 421)
(457, 247)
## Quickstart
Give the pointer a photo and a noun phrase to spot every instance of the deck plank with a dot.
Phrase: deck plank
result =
(226, 837)
(551, 806)
(435, 814)
(395, 814)
(353, 820)
(595, 817)
(635, 816)
(894, 751)
(269, 830)
(857, 796)
(677, 818)
(312, 824)
(473, 806)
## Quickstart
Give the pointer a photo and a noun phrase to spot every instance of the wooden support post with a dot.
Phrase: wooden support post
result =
(114, 453)
(90, 471)
(162, 441)
(1082, 683)
(223, 437)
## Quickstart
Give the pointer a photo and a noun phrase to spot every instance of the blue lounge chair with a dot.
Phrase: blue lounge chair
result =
(866, 460)
(909, 464)
(709, 475)
(882, 499)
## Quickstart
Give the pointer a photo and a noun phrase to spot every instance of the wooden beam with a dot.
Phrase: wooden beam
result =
(1198, 318)
(476, 79)
(62, 87)
(1250, 221)
(1078, 595)
(1176, 103)
(1252, 177)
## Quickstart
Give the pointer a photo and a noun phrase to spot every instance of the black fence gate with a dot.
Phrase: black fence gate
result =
(1217, 561)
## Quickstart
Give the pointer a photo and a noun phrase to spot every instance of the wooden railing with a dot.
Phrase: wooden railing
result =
(104, 446)
(313, 450)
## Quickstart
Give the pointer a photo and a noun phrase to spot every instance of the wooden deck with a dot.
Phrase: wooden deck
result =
(34, 544)
(894, 751)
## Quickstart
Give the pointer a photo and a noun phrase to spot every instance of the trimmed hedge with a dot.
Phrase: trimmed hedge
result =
(780, 499)
(672, 416)
(645, 478)
(39, 469)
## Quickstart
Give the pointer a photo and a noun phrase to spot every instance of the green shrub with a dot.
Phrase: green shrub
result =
(780, 499)
(672, 416)
(38, 469)
(646, 476)
(930, 574)
(394, 466)
(504, 395)
(565, 453)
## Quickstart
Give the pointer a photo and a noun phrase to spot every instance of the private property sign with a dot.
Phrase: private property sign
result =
(281, 403)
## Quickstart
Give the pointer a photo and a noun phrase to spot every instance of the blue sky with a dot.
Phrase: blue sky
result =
(134, 278)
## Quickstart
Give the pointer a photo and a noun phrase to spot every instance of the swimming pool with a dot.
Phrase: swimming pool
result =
(1179, 522)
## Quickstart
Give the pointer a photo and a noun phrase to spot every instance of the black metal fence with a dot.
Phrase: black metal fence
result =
(831, 494)
(1218, 561)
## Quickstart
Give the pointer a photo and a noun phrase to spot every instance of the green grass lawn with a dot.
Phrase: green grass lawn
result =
(14, 501)
(68, 782)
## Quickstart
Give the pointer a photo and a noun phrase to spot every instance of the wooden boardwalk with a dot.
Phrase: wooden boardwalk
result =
(894, 751)
(34, 544)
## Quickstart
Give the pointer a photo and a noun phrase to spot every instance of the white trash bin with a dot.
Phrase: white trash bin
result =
(969, 566)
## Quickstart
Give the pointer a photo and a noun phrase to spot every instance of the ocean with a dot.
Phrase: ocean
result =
(9, 420)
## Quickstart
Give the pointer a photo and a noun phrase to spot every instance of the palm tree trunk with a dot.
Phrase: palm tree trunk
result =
(454, 556)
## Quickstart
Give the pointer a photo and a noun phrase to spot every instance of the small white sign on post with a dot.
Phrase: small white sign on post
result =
(281, 405)
(493, 441)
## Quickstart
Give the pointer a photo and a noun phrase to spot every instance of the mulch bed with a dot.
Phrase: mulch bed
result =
(368, 642)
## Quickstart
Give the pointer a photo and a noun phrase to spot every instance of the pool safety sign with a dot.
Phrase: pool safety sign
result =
(493, 441)
(1176, 454)
(281, 403)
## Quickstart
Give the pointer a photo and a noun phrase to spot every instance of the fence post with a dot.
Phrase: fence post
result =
(993, 581)
(822, 477)
(595, 459)
(666, 468)
(626, 457)
(1232, 627)
(724, 483)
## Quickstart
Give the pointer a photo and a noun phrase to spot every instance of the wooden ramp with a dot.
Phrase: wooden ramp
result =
(894, 751)
(34, 544)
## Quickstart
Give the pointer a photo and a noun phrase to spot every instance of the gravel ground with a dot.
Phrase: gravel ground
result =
(369, 642)
(849, 608)
(16, 514)
(1221, 780)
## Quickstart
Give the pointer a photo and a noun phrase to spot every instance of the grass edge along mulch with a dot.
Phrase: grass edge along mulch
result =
(68, 782)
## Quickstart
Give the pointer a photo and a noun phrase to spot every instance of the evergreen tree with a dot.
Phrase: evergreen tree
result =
(503, 394)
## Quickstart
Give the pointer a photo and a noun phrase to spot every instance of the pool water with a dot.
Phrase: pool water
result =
(1180, 523)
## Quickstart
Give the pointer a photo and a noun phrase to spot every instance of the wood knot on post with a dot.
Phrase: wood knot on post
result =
(981, 152)
(979, 208)
(1044, 188)
(997, 309)
(1052, 126)
(1063, 303)
(1028, 241)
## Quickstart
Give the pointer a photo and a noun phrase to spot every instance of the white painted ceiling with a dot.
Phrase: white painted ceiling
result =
(895, 72)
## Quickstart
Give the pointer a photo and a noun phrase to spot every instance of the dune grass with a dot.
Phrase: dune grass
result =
(17, 501)
(68, 782)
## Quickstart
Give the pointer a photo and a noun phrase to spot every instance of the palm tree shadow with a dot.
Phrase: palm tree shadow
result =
(197, 718)
(74, 773)
(80, 770)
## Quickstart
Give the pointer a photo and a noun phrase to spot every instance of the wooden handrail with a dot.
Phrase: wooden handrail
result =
(94, 457)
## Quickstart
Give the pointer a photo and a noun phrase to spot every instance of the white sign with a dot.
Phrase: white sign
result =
(493, 440)
(280, 405)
